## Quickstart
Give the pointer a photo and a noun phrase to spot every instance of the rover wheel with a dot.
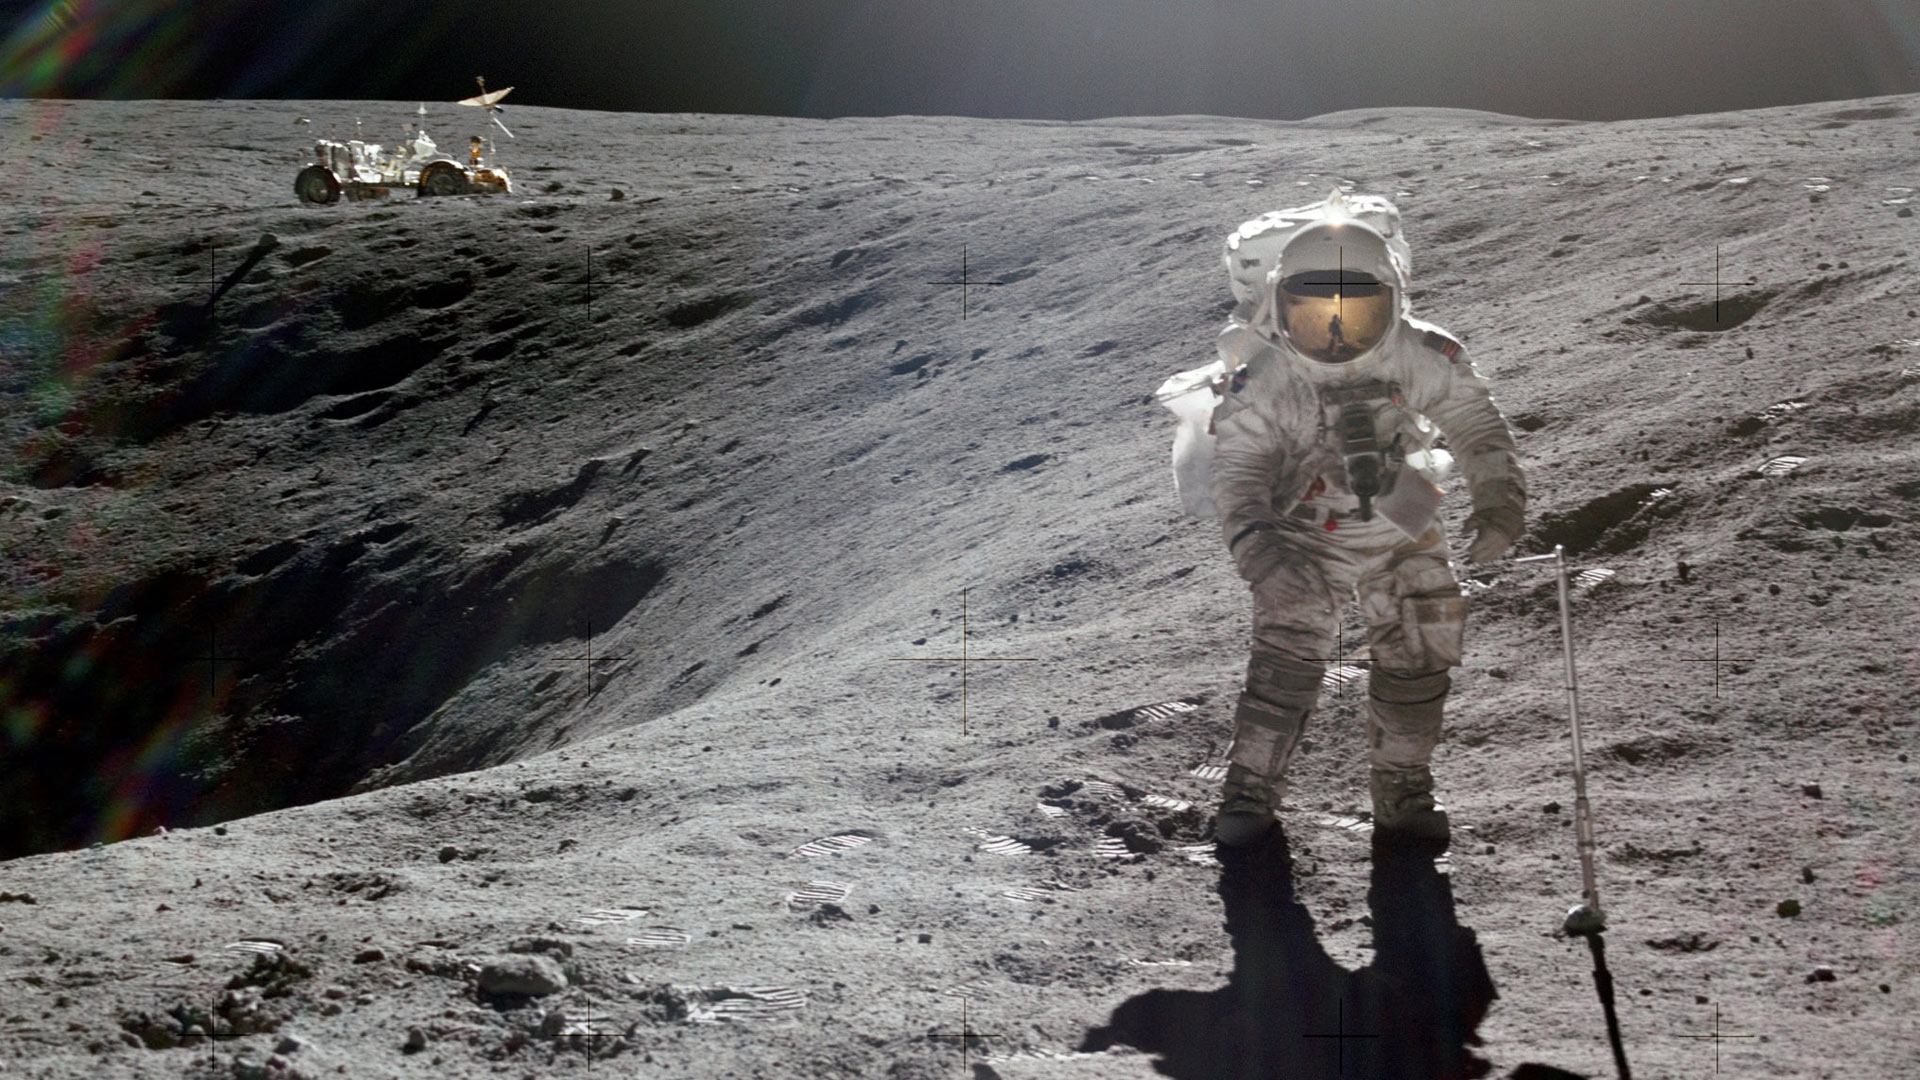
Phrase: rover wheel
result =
(316, 184)
(443, 178)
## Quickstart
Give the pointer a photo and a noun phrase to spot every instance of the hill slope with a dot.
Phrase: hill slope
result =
(342, 553)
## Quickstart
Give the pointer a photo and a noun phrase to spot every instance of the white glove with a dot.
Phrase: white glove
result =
(1494, 533)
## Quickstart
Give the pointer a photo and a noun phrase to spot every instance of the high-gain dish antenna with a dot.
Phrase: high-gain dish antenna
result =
(488, 100)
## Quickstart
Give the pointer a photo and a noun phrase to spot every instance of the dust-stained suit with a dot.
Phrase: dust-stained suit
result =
(1290, 519)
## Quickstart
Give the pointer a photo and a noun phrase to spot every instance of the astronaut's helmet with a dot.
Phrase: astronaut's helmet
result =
(1336, 293)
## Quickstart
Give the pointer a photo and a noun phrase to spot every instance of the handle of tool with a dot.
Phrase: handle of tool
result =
(1582, 811)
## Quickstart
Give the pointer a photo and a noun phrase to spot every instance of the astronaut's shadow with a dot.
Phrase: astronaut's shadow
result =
(1409, 1015)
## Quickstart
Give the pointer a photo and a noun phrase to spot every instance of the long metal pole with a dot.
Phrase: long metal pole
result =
(1585, 920)
(1589, 916)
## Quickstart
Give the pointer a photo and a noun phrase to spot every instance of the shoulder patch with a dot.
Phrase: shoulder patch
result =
(1442, 344)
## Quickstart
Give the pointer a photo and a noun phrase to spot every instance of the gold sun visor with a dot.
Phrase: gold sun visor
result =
(1334, 316)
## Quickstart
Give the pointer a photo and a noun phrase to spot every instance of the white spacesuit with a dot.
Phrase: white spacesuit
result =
(1331, 388)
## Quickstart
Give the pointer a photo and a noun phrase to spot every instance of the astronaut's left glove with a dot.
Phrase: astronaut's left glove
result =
(1495, 529)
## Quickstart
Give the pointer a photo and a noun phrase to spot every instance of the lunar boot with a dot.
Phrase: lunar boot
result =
(1403, 718)
(1267, 727)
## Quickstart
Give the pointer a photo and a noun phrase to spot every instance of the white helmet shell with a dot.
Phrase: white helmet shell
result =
(1253, 250)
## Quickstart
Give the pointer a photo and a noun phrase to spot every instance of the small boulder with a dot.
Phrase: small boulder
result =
(526, 973)
(431, 960)
(1822, 973)
(1812, 791)
(1787, 909)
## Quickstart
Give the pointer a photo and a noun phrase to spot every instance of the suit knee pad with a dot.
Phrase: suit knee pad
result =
(1285, 681)
(1398, 688)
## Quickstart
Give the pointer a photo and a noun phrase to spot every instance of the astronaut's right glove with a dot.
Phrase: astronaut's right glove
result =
(1495, 529)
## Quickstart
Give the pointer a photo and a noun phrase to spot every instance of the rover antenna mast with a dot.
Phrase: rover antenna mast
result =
(489, 100)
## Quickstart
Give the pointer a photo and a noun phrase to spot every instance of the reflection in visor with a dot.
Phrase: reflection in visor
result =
(1333, 317)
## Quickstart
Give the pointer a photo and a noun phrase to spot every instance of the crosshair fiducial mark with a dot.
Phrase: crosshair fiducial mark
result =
(965, 282)
(1716, 283)
(1716, 659)
(589, 284)
(565, 1031)
(213, 658)
(963, 1035)
(218, 287)
(213, 1014)
(1340, 284)
(964, 660)
(1339, 646)
(212, 295)
(1716, 1036)
(589, 658)
(1339, 1033)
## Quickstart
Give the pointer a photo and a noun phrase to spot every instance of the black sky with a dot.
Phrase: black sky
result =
(1049, 59)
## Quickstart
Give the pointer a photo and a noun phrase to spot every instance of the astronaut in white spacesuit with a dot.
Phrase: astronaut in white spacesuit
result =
(1336, 386)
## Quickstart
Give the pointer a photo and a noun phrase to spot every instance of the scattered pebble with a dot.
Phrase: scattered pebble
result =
(1787, 909)
(416, 1041)
(1550, 808)
(369, 956)
(1810, 790)
(617, 195)
(449, 853)
(1806, 874)
(1823, 973)
(291, 1044)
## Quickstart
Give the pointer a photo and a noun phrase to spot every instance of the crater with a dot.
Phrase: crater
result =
(695, 312)
(1874, 112)
(330, 664)
(1610, 524)
(1704, 314)
(1841, 519)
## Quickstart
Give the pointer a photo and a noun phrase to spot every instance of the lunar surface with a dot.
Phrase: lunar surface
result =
(514, 634)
